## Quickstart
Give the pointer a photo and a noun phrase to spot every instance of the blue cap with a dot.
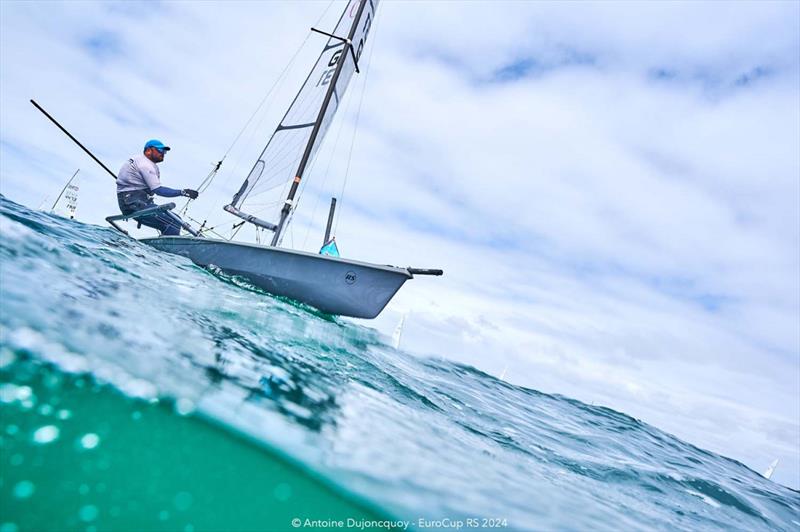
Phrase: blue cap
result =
(156, 144)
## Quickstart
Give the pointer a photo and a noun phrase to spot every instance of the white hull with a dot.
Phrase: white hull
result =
(331, 284)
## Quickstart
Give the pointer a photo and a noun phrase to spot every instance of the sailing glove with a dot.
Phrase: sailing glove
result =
(189, 193)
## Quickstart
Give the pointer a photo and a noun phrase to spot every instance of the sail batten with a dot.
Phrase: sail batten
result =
(298, 126)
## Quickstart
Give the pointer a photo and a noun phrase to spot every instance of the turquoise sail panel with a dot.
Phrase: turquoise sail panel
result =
(330, 249)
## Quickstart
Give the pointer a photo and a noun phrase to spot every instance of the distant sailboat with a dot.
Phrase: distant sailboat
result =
(503, 374)
(771, 469)
(66, 203)
(398, 331)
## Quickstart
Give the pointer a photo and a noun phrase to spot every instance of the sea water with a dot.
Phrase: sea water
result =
(141, 392)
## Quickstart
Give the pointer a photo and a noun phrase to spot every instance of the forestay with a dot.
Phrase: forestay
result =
(302, 129)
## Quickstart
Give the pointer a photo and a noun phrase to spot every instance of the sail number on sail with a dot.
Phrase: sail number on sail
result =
(327, 75)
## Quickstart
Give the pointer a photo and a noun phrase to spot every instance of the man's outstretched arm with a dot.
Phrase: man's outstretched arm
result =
(173, 192)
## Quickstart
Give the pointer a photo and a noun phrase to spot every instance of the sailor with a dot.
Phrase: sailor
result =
(139, 179)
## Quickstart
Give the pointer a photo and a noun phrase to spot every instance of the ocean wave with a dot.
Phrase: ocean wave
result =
(415, 437)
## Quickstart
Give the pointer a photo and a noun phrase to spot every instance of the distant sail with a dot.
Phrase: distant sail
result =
(398, 332)
(503, 374)
(282, 159)
(67, 202)
(771, 469)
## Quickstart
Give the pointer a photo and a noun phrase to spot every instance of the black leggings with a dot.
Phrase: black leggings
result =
(136, 200)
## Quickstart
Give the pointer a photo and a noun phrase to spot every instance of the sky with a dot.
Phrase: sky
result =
(612, 188)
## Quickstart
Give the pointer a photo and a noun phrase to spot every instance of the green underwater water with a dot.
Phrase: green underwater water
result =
(104, 461)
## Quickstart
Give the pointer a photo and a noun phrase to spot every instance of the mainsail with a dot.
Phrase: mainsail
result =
(302, 129)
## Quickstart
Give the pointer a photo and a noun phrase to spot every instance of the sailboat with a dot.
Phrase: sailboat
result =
(771, 469)
(67, 201)
(327, 282)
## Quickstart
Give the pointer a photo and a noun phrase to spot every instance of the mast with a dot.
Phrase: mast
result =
(330, 222)
(287, 205)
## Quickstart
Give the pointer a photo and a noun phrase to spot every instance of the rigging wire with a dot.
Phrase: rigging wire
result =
(303, 185)
(283, 75)
(350, 154)
(210, 177)
(276, 161)
(202, 187)
(342, 121)
(285, 69)
(355, 129)
(204, 229)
